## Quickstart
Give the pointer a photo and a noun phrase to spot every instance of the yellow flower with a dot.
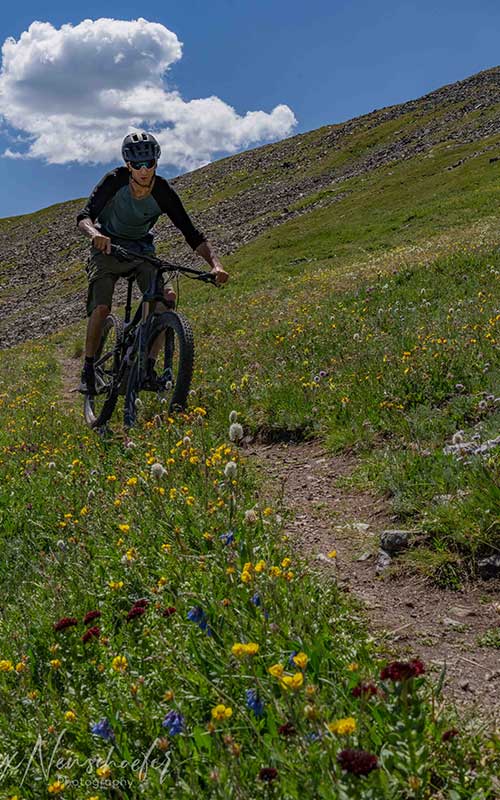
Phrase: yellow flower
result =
(115, 585)
(275, 572)
(267, 511)
(84, 511)
(111, 478)
(33, 694)
(55, 663)
(246, 576)
(132, 482)
(167, 548)
(240, 650)
(300, 660)
(104, 771)
(21, 666)
(276, 670)
(56, 787)
(292, 681)
(162, 581)
(6, 666)
(286, 562)
(343, 726)
(353, 666)
(230, 570)
(221, 712)
(117, 502)
(260, 566)
(70, 716)
(119, 664)
(168, 696)
(332, 554)
(124, 528)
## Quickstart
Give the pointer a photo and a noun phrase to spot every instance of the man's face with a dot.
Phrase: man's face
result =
(142, 171)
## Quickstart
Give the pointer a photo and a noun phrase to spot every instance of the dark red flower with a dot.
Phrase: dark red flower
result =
(268, 774)
(167, 612)
(364, 690)
(402, 670)
(135, 611)
(142, 603)
(91, 633)
(65, 622)
(287, 729)
(450, 734)
(90, 615)
(357, 762)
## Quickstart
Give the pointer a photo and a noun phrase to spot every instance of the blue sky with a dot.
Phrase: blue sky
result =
(318, 62)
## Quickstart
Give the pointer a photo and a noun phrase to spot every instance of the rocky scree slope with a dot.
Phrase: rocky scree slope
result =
(42, 255)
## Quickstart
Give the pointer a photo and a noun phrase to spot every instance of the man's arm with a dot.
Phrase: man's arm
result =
(99, 197)
(205, 251)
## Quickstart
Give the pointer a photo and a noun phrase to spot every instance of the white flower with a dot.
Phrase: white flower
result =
(51, 465)
(186, 441)
(457, 438)
(233, 416)
(91, 494)
(230, 469)
(235, 432)
(158, 471)
(251, 516)
(482, 405)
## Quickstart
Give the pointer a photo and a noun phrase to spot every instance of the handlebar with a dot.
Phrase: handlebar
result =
(122, 254)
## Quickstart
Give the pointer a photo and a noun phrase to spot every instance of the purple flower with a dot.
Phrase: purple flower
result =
(357, 762)
(292, 656)
(174, 722)
(402, 670)
(255, 599)
(104, 730)
(254, 702)
(227, 538)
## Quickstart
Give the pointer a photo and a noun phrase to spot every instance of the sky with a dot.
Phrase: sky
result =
(210, 79)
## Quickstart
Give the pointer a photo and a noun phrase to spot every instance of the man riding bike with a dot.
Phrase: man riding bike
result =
(122, 209)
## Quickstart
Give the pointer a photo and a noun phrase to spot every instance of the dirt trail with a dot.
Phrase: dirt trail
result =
(418, 619)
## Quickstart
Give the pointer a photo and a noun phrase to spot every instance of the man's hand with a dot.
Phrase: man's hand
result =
(102, 243)
(220, 273)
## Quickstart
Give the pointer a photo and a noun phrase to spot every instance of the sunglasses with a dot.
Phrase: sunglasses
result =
(138, 164)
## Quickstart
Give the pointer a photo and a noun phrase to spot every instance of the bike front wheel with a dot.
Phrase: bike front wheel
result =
(171, 336)
(98, 408)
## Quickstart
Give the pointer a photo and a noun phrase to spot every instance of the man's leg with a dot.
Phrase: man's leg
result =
(94, 329)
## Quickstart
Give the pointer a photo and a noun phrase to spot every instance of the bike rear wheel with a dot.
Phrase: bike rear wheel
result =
(98, 408)
(174, 364)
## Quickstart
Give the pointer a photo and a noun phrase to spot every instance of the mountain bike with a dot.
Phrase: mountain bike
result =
(121, 359)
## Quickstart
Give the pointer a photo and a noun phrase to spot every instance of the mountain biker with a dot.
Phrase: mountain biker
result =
(122, 209)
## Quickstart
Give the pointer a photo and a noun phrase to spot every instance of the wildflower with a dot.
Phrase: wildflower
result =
(56, 787)
(103, 729)
(167, 612)
(233, 416)
(91, 615)
(275, 572)
(357, 762)
(240, 650)
(287, 729)
(235, 432)
(293, 682)
(276, 670)
(174, 722)
(402, 670)
(364, 690)
(332, 554)
(254, 702)
(167, 548)
(268, 774)
(353, 666)
(255, 599)
(135, 611)
(168, 696)
(21, 666)
(251, 516)
(6, 666)
(197, 615)
(343, 727)
(132, 481)
(260, 566)
(450, 734)
(267, 512)
(300, 660)
(91, 633)
(124, 528)
(286, 562)
(55, 663)
(115, 585)
(65, 622)
(70, 716)
(158, 471)
(221, 712)
(246, 576)
(111, 478)
(119, 663)
(105, 770)
(227, 538)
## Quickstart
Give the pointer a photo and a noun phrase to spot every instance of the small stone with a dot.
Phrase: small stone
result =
(383, 562)
(489, 567)
(491, 676)
(461, 612)
(393, 541)
(452, 623)
(464, 685)
(365, 556)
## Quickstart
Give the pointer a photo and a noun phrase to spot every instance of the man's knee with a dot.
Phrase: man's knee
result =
(101, 311)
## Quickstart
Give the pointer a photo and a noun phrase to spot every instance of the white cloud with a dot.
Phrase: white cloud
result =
(74, 93)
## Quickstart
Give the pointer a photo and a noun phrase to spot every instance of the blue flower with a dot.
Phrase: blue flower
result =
(197, 615)
(255, 599)
(174, 722)
(227, 538)
(254, 702)
(292, 656)
(103, 729)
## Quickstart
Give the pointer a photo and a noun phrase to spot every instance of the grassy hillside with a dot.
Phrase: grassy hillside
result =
(362, 309)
